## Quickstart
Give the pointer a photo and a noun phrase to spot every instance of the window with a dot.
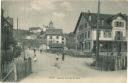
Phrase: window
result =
(88, 34)
(62, 38)
(118, 35)
(119, 24)
(57, 42)
(107, 33)
(85, 35)
(87, 45)
(62, 42)
(57, 37)
(81, 27)
(85, 25)
(102, 22)
(82, 36)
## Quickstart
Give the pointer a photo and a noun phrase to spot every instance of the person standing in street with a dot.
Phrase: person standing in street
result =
(35, 57)
(34, 50)
(57, 63)
(63, 56)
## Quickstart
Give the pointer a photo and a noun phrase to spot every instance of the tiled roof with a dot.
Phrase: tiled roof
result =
(105, 18)
(54, 32)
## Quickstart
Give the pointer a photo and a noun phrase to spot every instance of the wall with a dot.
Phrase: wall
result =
(107, 38)
(114, 29)
(101, 36)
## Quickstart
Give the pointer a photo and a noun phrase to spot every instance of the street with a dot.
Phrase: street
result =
(72, 69)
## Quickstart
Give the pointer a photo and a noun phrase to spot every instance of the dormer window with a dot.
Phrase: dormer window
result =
(119, 24)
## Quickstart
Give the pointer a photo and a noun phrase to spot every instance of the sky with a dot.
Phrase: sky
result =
(63, 13)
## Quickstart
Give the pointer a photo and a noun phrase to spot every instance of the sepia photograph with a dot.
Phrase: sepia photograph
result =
(64, 41)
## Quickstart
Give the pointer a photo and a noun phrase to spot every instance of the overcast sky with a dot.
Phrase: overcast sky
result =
(64, 13)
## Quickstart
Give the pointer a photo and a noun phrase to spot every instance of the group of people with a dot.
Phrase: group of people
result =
(60, 57)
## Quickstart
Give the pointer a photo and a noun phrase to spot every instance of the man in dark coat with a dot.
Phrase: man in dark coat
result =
(63, 56)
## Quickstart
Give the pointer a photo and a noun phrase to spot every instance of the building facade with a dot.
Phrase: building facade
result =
(55, 39)
(112, 32)
(35, 29)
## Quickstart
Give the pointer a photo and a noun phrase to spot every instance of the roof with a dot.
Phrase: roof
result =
(54, 32)
(34, 28)
(106, 18)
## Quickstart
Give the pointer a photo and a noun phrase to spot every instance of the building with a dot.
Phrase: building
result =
(112, 32)
(50, 26)
(20, 34)
(34, 32)
(35, 29)
(55, 39)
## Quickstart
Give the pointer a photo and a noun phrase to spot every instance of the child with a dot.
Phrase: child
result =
(57, 61)
(35, 58)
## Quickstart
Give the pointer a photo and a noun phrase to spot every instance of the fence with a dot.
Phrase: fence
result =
(19, 69)
(111, 63)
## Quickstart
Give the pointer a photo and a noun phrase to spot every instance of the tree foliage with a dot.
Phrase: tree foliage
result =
(7, 40)
(70, 41)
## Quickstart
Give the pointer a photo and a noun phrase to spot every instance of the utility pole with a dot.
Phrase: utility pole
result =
(97, 34)
(2, 16)
(17, 33)
(76, 40)
(17, 23)
(127, 34)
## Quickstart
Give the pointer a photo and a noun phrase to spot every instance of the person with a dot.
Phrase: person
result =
(35, 58)
(63, 56)
(57, 57)
(34, 50)
(40, 50)
(57, 61)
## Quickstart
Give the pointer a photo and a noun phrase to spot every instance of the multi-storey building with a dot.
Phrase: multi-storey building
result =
(35, 29)
(55, 39)
(112, 32)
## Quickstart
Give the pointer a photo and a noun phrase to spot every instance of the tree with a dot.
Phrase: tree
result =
(70, 41)
(7, 40)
